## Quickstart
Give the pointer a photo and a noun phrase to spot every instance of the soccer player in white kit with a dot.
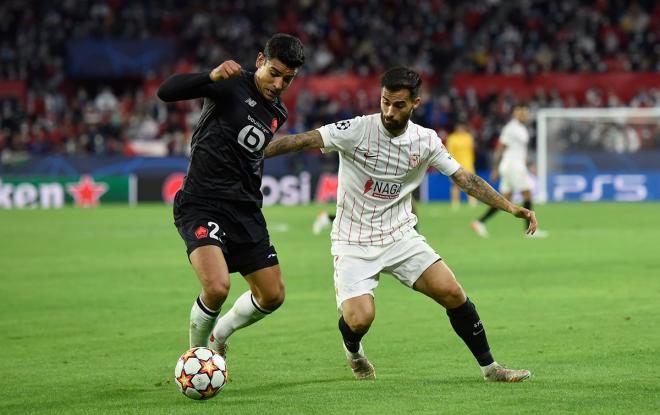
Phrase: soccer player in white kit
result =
(382, 158)
(510, 165)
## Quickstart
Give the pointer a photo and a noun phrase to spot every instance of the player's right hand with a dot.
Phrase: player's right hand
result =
(522, 213)
(226, 70)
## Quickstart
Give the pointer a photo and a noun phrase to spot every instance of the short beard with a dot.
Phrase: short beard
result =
(396, 126)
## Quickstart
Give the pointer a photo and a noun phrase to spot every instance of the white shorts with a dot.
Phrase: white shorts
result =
(358, 267)
(514, 179)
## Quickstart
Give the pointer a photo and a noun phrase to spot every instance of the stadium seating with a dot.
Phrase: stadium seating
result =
(53, 104)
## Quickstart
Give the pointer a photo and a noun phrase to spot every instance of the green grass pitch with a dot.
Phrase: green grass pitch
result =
(95, 305)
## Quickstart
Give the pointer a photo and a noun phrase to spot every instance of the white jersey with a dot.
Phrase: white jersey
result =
(515, 136)
(377, 174)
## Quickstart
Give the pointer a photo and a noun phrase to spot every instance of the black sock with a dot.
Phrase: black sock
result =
(527, 205)
(488, 214)
(351, 339)
(467, 324)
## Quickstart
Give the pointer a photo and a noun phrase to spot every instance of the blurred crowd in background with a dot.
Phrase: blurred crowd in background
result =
(68, 115)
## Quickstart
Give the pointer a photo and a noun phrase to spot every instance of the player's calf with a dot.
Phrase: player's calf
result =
(202, 320)
(245, 312)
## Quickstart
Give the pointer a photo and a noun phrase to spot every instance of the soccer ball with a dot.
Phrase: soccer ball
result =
(200, 373)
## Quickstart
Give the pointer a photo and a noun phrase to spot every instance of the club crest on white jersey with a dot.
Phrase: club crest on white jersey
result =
(414, 160)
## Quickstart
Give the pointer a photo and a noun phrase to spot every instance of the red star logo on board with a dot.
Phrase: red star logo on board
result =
(185, 380)
(209, 392)
(86, 193)
(172, 184)
(208, 367)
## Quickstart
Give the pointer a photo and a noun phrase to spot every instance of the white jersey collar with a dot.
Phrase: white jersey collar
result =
(389, 135)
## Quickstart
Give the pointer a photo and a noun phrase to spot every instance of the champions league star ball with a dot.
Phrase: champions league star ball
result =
(200, 373)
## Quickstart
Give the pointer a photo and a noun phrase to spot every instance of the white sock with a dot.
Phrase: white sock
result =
(244, 312)
(351, 355)
(202, 319)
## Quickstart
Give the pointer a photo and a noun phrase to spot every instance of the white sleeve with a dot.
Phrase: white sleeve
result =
(506, 134)
(343, 135)
(440, 158)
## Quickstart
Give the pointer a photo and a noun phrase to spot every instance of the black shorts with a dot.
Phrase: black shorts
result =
(238, 229)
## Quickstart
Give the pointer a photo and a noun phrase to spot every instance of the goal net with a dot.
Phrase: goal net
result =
(591, 154)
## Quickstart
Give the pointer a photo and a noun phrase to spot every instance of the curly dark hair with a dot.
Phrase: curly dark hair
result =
(400, 77)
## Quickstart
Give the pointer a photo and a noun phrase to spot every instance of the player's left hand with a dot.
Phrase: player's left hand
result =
(522, 213)
(227, 69)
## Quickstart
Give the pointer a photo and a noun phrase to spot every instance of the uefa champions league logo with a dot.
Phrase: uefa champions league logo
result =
(343, 125)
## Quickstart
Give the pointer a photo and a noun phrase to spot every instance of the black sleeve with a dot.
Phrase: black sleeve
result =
(187, 86)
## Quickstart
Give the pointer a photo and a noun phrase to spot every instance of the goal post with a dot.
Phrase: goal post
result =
(590, 154)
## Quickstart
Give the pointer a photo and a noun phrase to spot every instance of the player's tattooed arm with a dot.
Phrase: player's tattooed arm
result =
(476, 186)
(294, 142)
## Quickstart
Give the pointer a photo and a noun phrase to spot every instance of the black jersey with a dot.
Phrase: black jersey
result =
(236, 124)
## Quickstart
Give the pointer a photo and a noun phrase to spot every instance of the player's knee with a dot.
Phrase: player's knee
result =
(454, 296)
(359, 322)
(217, 290)
(360, 326)
(273, 298)
(274, 302)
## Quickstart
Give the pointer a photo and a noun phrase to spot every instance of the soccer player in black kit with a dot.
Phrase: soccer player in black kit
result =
(218, 209)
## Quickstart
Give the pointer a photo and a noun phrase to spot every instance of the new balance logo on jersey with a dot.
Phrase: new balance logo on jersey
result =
(250, 102)
(382, 190)
(271, 256)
